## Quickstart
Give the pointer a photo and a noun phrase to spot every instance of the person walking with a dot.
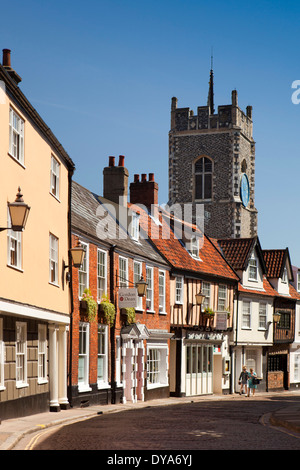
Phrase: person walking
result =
(251, 383)
(243, 380)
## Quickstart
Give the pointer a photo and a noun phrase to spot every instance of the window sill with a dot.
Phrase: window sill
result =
(158, 385)
(103, 385)
(163, 313)
(42, 381)
(55, 197)
(84, 388)
(17, 161)
(150, 311)
(53, 284)
(16, 268)
(22, 385)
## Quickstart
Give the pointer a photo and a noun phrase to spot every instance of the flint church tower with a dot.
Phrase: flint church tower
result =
(212, 162)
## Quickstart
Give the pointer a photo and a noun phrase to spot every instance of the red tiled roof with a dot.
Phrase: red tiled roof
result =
(274, 260)
(237, 251)
(268, 289)
(211, 261)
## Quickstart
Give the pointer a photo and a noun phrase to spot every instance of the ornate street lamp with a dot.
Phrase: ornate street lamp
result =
(18, 212)
(199, 298)
(141, 286)
(77, 253)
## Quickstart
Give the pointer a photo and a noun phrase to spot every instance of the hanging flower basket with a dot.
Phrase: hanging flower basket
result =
(208, 311)
(90, 304)
(109, 310)
(130, 314)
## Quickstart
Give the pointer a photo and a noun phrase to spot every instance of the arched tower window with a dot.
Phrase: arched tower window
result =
(203, 178)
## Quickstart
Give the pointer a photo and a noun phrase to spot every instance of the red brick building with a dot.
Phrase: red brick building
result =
(199, 349)
(124, 357)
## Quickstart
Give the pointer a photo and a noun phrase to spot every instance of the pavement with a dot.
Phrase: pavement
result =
(13, 430)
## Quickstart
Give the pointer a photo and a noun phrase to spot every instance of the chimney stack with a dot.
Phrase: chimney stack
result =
(144, 192)
(6, 63)
(115, 181)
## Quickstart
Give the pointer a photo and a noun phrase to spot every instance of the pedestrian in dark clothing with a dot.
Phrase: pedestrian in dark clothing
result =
(243, 380)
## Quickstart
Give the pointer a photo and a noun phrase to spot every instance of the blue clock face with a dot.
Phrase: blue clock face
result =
(245, 190)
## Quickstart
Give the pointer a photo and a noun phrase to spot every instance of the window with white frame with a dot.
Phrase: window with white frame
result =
(14, 246)
(157, 368)
(246, 314)
(284, 276)
(83, 271)
(101, 274)
(42, 353)
(193, 247)
(2, 355)
(83, 358)
(54, 177)
(137, 274)
(253, 268)
(262, 323)
(135, 226)
(205, 289)
(149, 290)
(222, 298)
(162, 291)
(21, 354)
(153, 366)
(53, 259)
(16, 136)
(179, 290)
(123, 271)
(102, 364)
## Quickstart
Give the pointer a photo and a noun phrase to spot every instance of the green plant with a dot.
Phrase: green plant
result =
(209, 311)
(92, 305)
(130, 312)
(108, 309)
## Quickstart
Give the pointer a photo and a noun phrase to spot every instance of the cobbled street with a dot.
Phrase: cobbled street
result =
(239, 423)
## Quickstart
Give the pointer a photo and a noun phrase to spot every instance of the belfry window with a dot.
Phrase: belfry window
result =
(203, 178)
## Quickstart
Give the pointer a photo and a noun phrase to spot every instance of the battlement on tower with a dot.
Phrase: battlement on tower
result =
(228, 116)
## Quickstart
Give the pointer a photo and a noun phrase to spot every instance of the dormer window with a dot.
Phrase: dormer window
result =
(284, 276)
(135, 226)
(253, 268)
(192, 247)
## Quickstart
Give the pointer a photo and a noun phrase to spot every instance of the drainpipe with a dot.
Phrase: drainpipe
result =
(69, 391)
(112, 330)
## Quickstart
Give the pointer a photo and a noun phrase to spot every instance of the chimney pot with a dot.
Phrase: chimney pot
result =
(6, 58)
(136, 178)
(121, 160)
(144, 177)
(111, 161)
(151, 176)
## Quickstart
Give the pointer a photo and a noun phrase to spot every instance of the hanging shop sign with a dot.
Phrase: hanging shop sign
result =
(127, 297)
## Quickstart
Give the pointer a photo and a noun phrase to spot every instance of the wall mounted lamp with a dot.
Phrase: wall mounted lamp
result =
(77, 255)
(18, 212)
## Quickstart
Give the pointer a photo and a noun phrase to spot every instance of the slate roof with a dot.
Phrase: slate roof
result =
(91, 216)
(211, 261)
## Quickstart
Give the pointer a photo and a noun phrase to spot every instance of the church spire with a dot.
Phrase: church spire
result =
(210, 98)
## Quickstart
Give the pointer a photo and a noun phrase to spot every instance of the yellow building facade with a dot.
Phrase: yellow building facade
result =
(34, 292)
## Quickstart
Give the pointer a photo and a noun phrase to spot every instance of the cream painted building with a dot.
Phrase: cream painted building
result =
(35, 301)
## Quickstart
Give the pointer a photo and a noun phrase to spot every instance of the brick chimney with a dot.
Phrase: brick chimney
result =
(115, 181)
(6, 63)
(145, 191)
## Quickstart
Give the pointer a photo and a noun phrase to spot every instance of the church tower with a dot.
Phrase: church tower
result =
(212, 162)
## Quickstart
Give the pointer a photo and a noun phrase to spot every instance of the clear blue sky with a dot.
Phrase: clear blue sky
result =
(102, 75)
